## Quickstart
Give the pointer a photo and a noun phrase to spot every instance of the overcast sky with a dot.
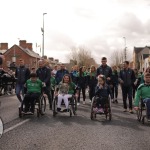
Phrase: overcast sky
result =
(98, 25)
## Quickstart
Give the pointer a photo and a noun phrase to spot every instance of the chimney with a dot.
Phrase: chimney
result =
(51, 58)
(56, 60)
(29, 46)
(22, 43)
(3, 46)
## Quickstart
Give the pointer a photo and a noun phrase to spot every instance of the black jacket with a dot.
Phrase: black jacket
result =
(104, 70)
(22, 74)
(127, 76)
(44, 75)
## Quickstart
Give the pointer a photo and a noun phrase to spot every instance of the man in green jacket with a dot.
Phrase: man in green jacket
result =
(143, 92)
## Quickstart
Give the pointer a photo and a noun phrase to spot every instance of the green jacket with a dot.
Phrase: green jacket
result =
(53, 83)
(69, 88)
(34, 87)
(142, 92)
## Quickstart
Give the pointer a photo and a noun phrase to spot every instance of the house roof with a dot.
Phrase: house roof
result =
(30, 52)
(138, 49)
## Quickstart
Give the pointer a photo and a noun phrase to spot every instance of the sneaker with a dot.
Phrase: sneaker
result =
(50, 107)
(78, 104)
(66, 110)
(112, 101)
(131, 111)
(125, 110)
(101, 110)
(30, 113)
(95, 109)
(58, 109)
(90, 101)
(84, 102)
(116, 101)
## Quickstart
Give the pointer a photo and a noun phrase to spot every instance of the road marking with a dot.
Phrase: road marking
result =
(15, 126)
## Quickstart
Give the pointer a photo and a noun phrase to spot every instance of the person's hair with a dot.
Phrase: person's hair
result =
(147, 69)
(91, 69)
(126, 62)
(33, 75)
(67, 76)
(80, 72)
(101, 77)
(104, 58)
(147, 74)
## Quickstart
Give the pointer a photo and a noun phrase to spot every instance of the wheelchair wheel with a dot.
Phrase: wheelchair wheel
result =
(38, 113)
(139, 111)
(74, 105)
(42, 105)
(70, 113)
(92, 115)
(54, 106)
(108, 110)
(20, 112)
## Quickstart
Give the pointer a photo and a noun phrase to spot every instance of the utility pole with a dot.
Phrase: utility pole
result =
(125, 49)
(42, 29)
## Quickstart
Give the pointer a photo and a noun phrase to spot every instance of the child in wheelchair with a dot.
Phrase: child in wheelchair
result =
(33, 88)
(102, 92)
(64, 91)
(143, 92)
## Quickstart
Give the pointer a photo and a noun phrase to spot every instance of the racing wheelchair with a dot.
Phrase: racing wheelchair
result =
(72, 105)
(107, 109)
(142, 112)
(40, 107)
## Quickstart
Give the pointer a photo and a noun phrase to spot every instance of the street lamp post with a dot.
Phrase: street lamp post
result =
(125, 49)
(43, 35)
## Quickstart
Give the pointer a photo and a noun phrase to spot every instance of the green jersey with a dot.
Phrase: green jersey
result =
(34, 86)
(142, 92)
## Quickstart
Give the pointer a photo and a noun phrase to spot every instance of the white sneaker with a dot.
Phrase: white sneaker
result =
(78, 104)
(90, 101)
(84, 102)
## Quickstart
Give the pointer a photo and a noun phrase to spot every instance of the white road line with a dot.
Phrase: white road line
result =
(15, 126)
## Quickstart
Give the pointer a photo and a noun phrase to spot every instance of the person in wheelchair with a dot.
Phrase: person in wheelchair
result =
(33, 88)
(102, 92)
(66, 88)
(143, 92)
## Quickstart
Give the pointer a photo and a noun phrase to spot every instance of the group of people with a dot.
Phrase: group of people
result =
(102, 81)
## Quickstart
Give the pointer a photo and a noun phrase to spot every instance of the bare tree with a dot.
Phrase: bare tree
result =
(81, 56)
(117, 57)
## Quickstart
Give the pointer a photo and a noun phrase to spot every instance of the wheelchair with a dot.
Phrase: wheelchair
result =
(72, 105)
(40, 107)
(141, 112)
(107, 109)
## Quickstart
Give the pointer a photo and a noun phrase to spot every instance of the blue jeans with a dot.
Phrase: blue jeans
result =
(19, 89)
(147, 102)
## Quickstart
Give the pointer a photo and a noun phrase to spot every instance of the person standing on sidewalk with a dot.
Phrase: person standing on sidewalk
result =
(22, 74)
(44, 74)
(126, 79)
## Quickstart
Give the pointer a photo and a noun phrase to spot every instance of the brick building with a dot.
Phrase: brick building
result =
(22, 51)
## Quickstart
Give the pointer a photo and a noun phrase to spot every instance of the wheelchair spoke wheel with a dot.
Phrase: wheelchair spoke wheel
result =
(92, 115)
(54, 106)
(74, 105)
(42, 105)
(109, 110)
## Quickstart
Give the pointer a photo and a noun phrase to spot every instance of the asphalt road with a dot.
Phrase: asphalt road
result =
(79, 132)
